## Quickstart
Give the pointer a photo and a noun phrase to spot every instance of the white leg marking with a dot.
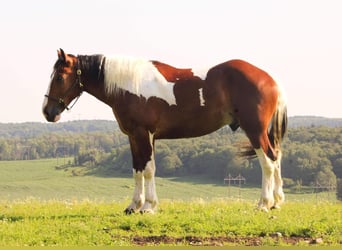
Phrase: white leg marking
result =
(138, 196)
(202, 101)
(267, 187)
(278, 192)
(151, 200)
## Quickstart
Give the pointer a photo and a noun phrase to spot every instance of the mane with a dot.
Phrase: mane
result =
(92, 64)
(133, 75)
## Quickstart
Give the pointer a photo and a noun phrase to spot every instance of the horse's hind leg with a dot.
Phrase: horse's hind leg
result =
(267, 187)
(272, 194)
(278, 192)
(271, 188)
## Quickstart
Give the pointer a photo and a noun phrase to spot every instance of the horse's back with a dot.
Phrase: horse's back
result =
(239, 70)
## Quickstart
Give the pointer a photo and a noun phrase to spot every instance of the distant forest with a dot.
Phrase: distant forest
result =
(312, 150)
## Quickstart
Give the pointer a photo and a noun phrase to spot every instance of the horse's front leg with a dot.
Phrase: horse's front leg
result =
(142, 148)
(139, 193)
(151, 199)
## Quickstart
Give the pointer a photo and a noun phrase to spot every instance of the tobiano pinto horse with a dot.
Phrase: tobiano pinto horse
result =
(153, 100)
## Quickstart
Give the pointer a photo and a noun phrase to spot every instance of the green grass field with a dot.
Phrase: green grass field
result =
(220, 222)
(42, 206)
(39, 179)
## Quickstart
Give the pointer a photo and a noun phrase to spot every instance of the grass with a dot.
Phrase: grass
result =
(39, 179)
(42, 206)
(36, 223)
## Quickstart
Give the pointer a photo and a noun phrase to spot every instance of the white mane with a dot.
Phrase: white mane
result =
(137, 76)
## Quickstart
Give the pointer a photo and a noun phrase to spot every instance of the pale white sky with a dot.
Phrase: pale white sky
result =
(298, 42)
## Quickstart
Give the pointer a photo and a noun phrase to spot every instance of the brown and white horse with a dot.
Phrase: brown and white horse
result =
(152, 100)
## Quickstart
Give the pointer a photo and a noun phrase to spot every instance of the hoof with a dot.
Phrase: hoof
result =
(129, 211)
(147, 211)
(275, 207)
(265, 204)
(149, 207)
(279, 199)
(263, 209)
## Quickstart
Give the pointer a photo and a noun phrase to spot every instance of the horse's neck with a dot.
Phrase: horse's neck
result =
(91, 66)
(92, 76)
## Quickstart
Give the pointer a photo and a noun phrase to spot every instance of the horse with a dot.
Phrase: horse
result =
(153, 100)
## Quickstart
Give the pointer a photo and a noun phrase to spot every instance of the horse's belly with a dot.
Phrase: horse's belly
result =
(193, 124)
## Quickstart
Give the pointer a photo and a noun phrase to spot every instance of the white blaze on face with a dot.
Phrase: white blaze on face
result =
(137, 76)
(47, 93)
(45, 99)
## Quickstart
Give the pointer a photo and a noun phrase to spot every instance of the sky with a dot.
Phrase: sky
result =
(298, 42)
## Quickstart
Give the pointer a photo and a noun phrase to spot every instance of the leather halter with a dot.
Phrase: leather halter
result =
(78, 83)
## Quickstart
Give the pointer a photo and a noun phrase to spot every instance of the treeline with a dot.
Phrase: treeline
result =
(311, 155)
(34, 129)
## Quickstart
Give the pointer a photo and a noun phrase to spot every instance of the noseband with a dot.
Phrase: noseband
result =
(78, 83)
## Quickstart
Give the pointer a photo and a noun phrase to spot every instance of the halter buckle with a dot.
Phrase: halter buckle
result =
(78, 72)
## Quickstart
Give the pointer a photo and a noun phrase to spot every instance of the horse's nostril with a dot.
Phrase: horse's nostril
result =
(51, 114)
(47, 115)
(45, 112)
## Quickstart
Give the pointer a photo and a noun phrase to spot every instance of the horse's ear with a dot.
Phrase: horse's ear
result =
(61, 55)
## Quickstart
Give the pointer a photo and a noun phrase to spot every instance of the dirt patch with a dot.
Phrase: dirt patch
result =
(218, 241)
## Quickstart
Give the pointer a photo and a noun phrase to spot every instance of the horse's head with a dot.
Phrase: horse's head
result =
(64, 87)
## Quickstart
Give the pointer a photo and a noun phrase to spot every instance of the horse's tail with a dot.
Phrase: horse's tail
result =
(278, 124)
(277, 128)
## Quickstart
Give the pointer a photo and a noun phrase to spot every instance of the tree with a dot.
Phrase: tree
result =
(339, 189)
(5, 150)
(326, 178)
(168, 165)
(338, 167)
(167, 161)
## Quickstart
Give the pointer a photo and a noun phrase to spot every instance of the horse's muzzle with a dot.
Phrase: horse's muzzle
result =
(52, 114)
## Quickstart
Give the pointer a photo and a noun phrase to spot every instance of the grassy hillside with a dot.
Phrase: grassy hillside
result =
(39, 179)
(42, 206)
